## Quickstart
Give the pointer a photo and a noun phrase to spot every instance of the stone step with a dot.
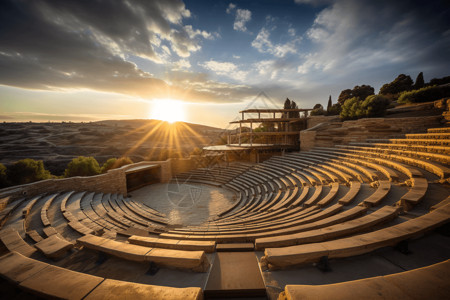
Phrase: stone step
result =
(235, 274)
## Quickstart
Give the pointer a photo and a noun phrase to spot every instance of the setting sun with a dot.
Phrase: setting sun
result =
(167, 110)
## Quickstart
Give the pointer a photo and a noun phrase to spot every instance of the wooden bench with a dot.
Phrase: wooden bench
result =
(429, 282)
(358, 244)
(49, 281)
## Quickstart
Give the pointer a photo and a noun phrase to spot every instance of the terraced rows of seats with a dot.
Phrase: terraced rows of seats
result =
(300, 208)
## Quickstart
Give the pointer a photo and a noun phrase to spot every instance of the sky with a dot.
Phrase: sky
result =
(79, 60)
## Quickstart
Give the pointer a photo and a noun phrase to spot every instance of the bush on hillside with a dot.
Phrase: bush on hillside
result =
(401, 83)
(351, 109)
(82, 166)
(3, 177)
(360, 92)
(26, 171)
(372, 106)
(425, 94)
(375, 106)
(114, 163)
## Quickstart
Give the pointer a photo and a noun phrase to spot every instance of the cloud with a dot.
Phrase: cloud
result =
(263, 44)
(242, 16)
(225, 69)
(76, 45)
(351, 36)
(313, 2)
(230, 8)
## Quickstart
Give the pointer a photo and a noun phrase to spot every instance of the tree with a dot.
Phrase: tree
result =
(82, 166)
(26, 171)
(401, 83)
(351, 109)
(329, 105)
(317, 110)
(114, 163)
(294, 114)
(425, 94)
(374, 106)
(439, 81)
(3, 177)
(287, 104)
(344, 95)
(360, 92)
(420, 83)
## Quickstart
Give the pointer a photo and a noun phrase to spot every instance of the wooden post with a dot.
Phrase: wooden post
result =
(240, 132)
(251, 134)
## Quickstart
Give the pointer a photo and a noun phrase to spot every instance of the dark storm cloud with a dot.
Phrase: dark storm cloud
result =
(84, 44)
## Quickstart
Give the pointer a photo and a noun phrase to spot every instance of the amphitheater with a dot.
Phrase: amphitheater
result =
(354, 215)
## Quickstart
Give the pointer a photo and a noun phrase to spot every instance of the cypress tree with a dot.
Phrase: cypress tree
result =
(420, 83)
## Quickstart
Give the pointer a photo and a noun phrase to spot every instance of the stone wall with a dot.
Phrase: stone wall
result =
(114, 181)
(315, 120)
(335, 133)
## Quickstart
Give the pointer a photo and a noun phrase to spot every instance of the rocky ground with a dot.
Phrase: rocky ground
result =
(58, 143)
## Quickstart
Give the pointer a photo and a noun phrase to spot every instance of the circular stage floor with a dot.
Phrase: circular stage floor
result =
(185, 203)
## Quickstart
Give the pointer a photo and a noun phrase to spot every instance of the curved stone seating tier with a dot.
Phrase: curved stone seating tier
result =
(375, 199)
(207, 246)
(330, 196)
(315, 197)
(27, 208)
(34, 235)
(337, 167)
(54, 282)
(55, 246)
(427, 142)
(358, 244)
(250, 234)
(14, 242)
(44, 210)
(252, 224)
(432, 167)
(7, 211)
(193, 260)
(389, 173)
(355, 186)
(139, 211)
(426, 136)
(405, 150)
(309, 223)
(331, 232)
(424, 283)
(415, 194)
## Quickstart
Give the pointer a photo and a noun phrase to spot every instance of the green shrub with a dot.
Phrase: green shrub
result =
(351, 109)
(26, 171)
(425, 94)
(372, 106)
(82, 166)
(318, 112)
(3, 177)
(375, 106)
(114, 163)
(401, 83)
